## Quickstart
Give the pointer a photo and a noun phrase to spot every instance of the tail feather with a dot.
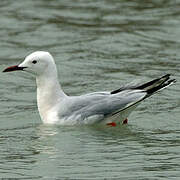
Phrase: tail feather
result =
(150, 88)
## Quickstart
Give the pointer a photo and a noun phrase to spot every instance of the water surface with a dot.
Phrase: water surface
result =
(98, 45)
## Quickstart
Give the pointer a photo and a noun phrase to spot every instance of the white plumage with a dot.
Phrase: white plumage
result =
(55, 107)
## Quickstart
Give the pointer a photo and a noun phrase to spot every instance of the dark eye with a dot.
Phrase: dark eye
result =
(34, 61)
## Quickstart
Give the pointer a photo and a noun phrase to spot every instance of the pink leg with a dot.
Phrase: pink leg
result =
(111, 124)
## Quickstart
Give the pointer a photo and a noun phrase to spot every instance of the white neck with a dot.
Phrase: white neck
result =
(49, 92)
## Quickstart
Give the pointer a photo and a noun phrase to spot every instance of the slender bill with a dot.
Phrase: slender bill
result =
(13, 68)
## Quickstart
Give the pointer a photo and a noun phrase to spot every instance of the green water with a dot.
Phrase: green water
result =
(98, 45)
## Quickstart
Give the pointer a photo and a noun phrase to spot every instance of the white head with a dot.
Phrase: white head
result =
(37, 63)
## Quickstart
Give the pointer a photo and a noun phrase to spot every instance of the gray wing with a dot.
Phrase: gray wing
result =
(104, 104)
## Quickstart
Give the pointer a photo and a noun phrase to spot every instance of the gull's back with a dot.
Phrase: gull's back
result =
(97, 107)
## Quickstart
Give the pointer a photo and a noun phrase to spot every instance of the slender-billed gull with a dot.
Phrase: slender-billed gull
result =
(110, 108)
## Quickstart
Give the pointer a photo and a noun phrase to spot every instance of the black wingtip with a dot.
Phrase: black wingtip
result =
(161, 86)
(149, 85)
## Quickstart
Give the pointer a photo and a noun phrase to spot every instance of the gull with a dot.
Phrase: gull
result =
(109, 108)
